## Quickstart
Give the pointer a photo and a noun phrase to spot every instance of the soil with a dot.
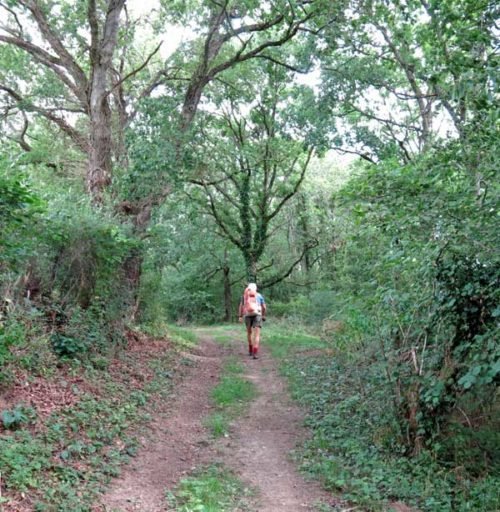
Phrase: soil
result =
(260, 444)
(257, 449)
(176, 442)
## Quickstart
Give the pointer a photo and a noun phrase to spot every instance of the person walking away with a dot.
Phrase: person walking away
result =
(253, 310)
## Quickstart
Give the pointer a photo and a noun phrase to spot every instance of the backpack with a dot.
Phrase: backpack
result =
(251, 305)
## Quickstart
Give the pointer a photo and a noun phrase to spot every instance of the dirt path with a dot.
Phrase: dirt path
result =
(177, 441)
(257, 449)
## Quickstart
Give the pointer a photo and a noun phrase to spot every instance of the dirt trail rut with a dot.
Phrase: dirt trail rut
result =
(257, 449)
(176, 442)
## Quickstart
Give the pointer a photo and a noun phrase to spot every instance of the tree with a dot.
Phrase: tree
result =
(408, 75)
(254, 167)
(421, 219)
(75, 69)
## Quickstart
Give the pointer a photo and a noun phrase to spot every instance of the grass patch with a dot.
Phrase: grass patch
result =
(283, 343)
(232, 390)
(224, 339)
(211, 489)
(218, 424)
(230, 397)
(180, 336)
(223, 334)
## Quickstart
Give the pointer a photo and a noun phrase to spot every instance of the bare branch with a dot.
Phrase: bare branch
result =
(135, 71)
(284, 275)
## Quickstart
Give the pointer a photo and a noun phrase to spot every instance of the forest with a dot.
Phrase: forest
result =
(157, 156)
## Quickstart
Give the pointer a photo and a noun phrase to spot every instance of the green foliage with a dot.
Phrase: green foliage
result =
(19, 209)
(189, 288)
(23, 460)
(415, 291)
(15, 418)
(358, 449)
(74, 285)
(84, 332)
(66, 346)
(181, 336)
(402, 281)
(435, 296)
(212, 489)
(310, 309)
(17, 202)
(286, 339)
(80, 447)
(12, 333)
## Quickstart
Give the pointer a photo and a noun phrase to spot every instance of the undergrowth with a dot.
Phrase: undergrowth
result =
(356, 448)
(65, 464)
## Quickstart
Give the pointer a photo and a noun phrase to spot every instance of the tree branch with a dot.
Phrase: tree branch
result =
(278, 279)
(295, 188)
(364, 156)
(68, 61)
(135, 71)
(49, 61)
(283, 64)
(75, 135)
(218, 219)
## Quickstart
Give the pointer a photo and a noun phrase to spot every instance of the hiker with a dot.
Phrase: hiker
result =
(253, 310)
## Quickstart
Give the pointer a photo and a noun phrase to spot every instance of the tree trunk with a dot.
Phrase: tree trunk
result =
(303, 222)
(132, 268)
(100, 145)
(102, 47)
(251, 267)
(228, 297)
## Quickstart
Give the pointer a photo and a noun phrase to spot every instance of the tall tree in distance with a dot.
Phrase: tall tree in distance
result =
(253, 165)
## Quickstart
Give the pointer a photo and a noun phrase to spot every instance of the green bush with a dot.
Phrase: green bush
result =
(19, 207)
(12, 332)
(357, 447)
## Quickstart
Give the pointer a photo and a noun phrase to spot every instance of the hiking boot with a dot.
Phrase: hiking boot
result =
(255, 356)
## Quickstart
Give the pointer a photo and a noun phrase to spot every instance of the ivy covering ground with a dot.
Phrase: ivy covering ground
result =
(356, 448)
(64, 462)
